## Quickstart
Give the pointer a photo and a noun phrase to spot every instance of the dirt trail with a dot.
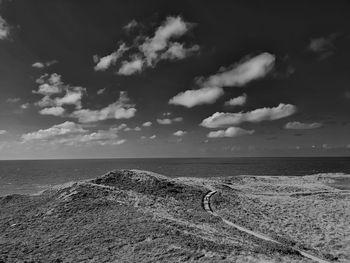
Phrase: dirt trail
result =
(207, 207)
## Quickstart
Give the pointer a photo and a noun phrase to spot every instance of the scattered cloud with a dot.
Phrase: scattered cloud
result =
(167, 121)
(3, 132)
(44, 64)
(65, 128)
(179, 133)
(4, 29)
(101, 91)
(323, 46)
(121, 109)
(241, 73)
(105, 62)
(131, 25)
(13, 100)
(55, 111)
(296, 125)
(238, 101)
(230, 132)
(147, 124)
(177, 51)
(220, 119)
(191, 98)
(131, 67)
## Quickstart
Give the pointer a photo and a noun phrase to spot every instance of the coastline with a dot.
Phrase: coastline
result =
(162, 213)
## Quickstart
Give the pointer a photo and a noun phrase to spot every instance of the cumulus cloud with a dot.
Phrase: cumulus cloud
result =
(220, 119)
(25, 106)
(191, 98)
(238, 101)
(121, 109)
(177, 51)
(296, 125)
(168, 121)
(230, 132)
(3, 132)
(57, 130)
(44, 64)
(323, 46)
(4, 29)
(153, 137)
(147, 124)
(57, 94)
(130, 26)
(105, 62)
(179, 133)
(130, 67)
(243, 72)
(55, 111)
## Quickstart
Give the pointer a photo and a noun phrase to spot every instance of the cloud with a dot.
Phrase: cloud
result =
(177, 51)
(13, 100)
(4, 29)
(179, 133)
(55, 111)
(243, 72)
(147, 124)
(172, 27)
(105, 62)
(323, 46)
(130, 67)
(302, 126)
(191, 98)
(220, 119)
(130, 26)
(238, 101)
(62, 129)
(137, 128)
(236, 75)
(44, 64)
(168, 121)
(230, 132)
(57, 94)
(121, 109)
(25, 106)
(153, 137)
(3, 132)
(101, 91)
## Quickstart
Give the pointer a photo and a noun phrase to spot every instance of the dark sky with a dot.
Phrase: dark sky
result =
(91, 79)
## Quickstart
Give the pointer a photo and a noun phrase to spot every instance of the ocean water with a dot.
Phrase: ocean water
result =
(31, 176)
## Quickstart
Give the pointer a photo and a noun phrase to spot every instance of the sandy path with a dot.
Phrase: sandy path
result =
(207, 207)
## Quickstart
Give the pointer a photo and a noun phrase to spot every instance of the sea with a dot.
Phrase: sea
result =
(32, 176)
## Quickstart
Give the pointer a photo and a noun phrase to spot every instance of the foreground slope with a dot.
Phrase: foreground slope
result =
(137, 216)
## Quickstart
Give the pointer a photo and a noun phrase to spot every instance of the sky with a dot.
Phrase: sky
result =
(124, 79)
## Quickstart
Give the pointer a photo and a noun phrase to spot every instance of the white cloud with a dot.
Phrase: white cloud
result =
(121, 109)
(131, 67)
(25, 106)
(137, 128)
(191, 98)
(153, 137)
(73, 96)
(147, 124)
(168, 121)
(179, 133)
(3, 132)
(172, 27)
(105, 62)
(130, 26)
(220, 119)
(243, 72)
(296, 125)
(44, 64)
(230, 132)
(64, 128)
(101, 91)
(4, 29)
(238, 101)
(177, 51)
(55, 111)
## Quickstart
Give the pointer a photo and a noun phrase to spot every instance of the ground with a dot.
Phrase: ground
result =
(137, 216)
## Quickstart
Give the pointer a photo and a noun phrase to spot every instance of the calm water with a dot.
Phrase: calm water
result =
(33, 176)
